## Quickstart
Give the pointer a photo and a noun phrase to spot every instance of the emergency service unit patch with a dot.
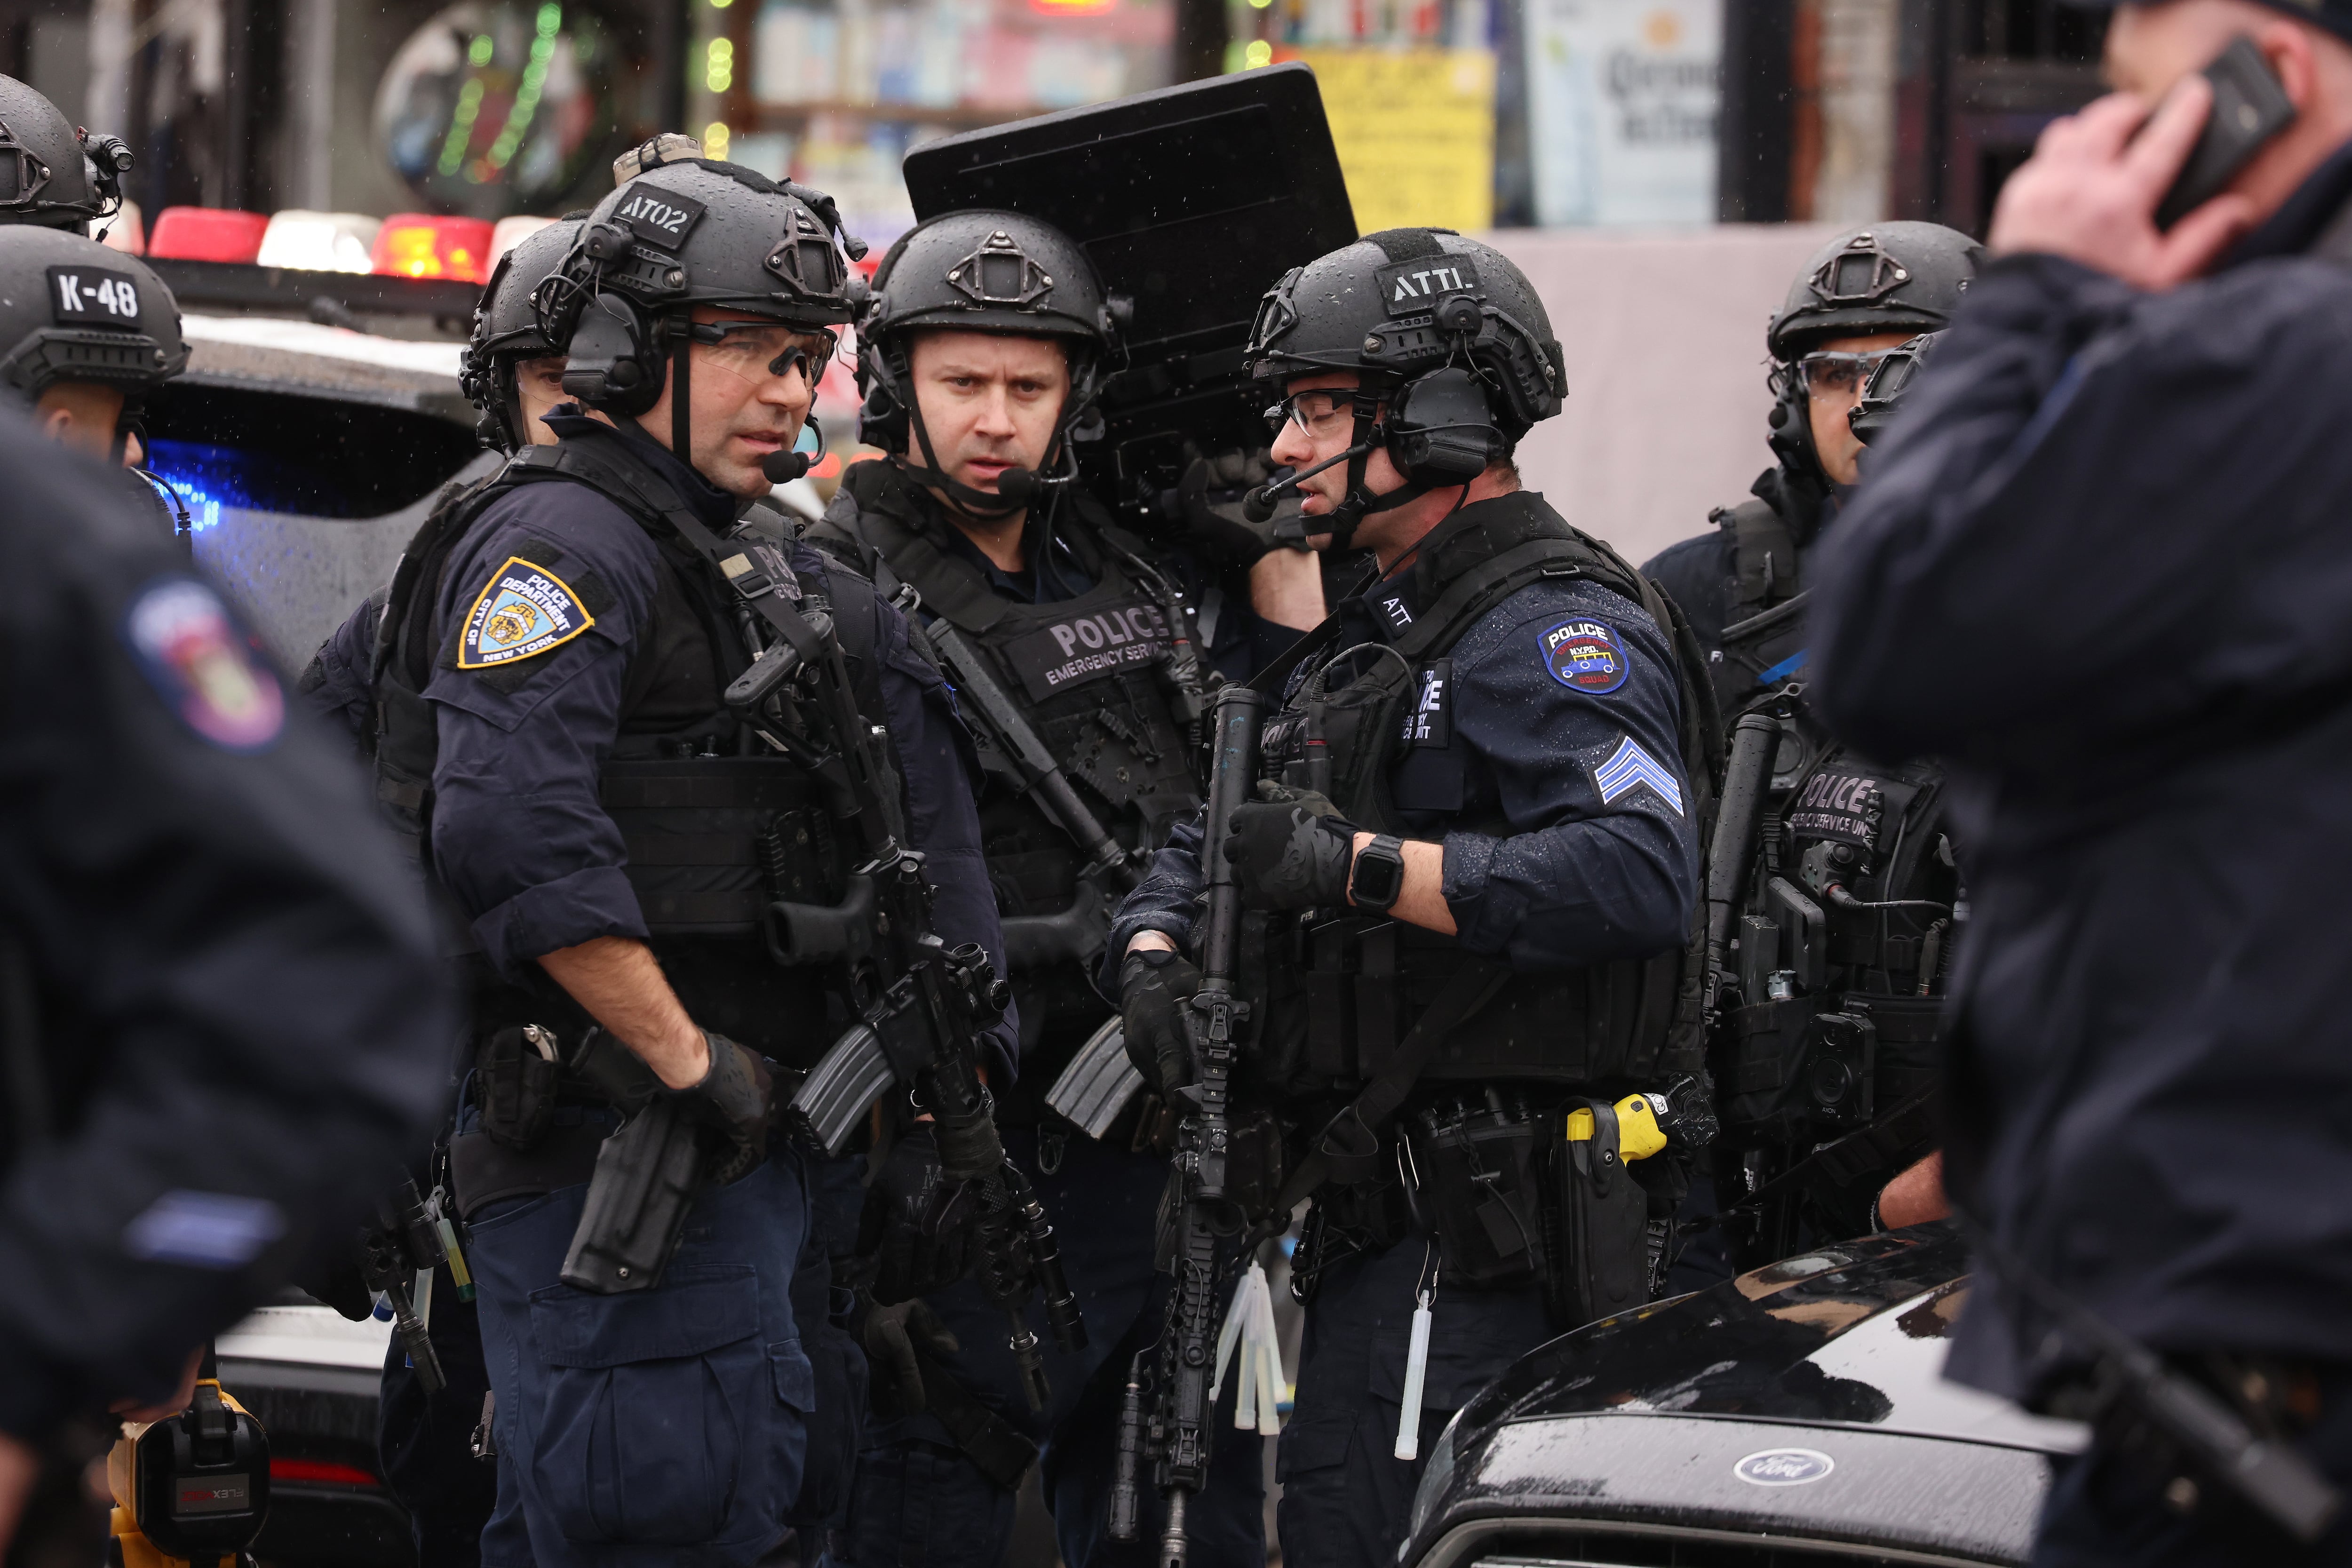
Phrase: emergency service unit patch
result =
(1089, 646)
(203, 667)
(1585, 656)
(1630, 767)
(525, 610)
(1429, 724)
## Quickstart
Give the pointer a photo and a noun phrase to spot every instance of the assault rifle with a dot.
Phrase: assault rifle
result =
(1180, 1430)
(1079, 931)
(923, 1003)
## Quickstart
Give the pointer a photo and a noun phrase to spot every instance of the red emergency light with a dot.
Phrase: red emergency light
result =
(207, 234)
(419, 244)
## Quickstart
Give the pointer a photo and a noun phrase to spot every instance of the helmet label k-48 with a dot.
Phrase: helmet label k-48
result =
(93, 297)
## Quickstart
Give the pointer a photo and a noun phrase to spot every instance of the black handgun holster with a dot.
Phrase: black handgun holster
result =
(1601, 1259)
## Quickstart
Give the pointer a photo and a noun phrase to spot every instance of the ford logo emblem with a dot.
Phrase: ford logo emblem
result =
(1784, 1467)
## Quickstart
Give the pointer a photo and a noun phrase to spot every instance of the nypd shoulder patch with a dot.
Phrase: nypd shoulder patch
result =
(1629, 767)
(1585, 655)
(523, 612)
(202, 666)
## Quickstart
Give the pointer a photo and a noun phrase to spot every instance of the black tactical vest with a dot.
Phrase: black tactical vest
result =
(1841, 1005)
(717, 824)
(1092, 674)
(1366, 979)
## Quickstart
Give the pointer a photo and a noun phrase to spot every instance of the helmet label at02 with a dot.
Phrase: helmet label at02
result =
(659, 216)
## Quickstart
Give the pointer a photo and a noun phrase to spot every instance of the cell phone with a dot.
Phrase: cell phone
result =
(2250, 106)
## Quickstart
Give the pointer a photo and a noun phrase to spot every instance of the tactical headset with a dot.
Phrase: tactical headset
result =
(1453, 352)
(685, 233)
(986, 272)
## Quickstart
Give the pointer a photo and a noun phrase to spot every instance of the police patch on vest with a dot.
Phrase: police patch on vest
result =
(1430, 721)
(1629, 767)
(1836, 804)
(1585, 656)
(1089, 646)
(525, 610)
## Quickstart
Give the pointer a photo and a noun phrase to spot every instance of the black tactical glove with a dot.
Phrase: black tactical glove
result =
(909, 1259)
(1293, 849)
(1210, 497)
(733, 1100)
(1155, 986)
(891, 1336)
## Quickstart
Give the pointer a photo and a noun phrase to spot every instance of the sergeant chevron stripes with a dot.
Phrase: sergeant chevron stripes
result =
(1630, 765)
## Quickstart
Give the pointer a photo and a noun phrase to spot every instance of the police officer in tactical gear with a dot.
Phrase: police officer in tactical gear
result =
(426, 1442)
(1860, 294)
(550, 719)
(92, 334)
(1476, 869)
(219, 1006)
(1832, 961)
(987, 340)
(52, 174)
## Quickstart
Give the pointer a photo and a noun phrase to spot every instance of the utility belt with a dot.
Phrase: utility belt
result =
(543, 1113)
(1515, 1186)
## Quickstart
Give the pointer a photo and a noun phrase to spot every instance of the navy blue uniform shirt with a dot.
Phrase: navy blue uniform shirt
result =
(2101, 564)
(241, 1028)
(1588, 852)
(519, 835)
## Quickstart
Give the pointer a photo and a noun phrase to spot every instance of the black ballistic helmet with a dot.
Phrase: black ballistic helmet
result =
(1453, 348)
(73, 310)
(1881, 278)
(51, 175)
(982, 270)
(1883, 393)
(694, 232)
(506, 331)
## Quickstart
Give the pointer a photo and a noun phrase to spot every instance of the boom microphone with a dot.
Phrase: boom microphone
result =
(1027, 486)
(1258, 505)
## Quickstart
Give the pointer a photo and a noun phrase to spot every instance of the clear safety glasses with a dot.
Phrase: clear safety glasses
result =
(757, 350)
(1838, 372)
(1320, 414)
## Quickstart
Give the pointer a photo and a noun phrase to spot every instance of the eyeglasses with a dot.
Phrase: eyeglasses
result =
(1320, 414)
(755, 350)
(1838, 372)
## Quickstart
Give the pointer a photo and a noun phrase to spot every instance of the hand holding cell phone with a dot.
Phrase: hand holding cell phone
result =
(2097, 179)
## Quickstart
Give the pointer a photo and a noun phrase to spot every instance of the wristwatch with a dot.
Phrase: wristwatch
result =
(1378, 876)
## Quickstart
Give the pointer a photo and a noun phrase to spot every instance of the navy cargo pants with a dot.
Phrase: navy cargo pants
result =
(665, 1427)
(1345, 1494)
(919, 1502)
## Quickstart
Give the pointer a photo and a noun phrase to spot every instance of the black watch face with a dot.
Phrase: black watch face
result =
(1380, 875)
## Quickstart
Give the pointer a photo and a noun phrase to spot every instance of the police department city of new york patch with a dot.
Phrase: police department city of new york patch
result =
(525, 610)
(201, 664)
(1585, 655)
